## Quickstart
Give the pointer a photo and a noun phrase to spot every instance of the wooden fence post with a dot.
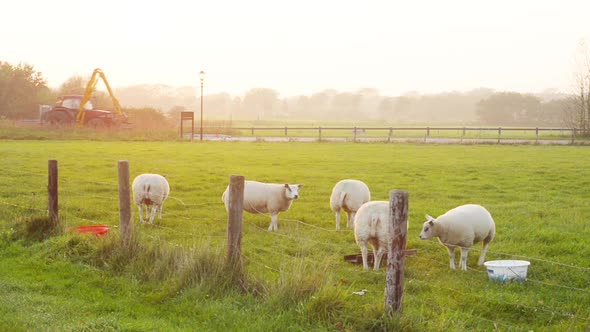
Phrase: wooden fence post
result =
(389, 136)
(499, 134)
(320, 133)
(124, 202)
(398, 228)
(285, 130)
(52, 197)
(234, 218)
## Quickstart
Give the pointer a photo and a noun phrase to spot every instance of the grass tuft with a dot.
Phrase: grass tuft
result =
(36, 229)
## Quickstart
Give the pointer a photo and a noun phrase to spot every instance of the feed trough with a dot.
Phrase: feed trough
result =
(98, 230)
(507, 270)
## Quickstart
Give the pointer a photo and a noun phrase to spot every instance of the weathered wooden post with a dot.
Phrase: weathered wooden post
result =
(398, 228)
(52, 198)
(285, 130)
(234, 218)
(537, 135)
(252, 131)
(124, 202)
(320, 133)
(499, 134)
(389, 136)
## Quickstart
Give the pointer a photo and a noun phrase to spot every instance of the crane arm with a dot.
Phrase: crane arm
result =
(90, 88)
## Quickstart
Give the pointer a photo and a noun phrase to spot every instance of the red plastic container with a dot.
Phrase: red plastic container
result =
(98, 230)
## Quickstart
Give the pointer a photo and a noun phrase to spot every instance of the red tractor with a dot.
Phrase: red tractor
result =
(78, 109)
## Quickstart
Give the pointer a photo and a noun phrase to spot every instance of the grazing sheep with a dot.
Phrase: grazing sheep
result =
(266, 198)
(151, 190)
(461, 227)
(348, 195)
(371, 226)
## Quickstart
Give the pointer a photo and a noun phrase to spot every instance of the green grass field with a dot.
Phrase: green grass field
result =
(296, 277)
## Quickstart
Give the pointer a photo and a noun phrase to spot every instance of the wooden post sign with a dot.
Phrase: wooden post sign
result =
(190, 116)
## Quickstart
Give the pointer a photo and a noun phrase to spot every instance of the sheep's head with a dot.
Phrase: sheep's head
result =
(292, 190)
(428, 228)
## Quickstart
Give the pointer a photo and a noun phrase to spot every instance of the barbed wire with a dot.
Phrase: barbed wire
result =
(30, 208)
(298, 239)
(463, 312)
(488, 298)
(578, 289)
(429, 243)
(513, 255)
(258, 259)
(560, 286)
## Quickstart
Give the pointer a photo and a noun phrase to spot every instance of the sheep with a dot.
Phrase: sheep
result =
(348, 195)
(371, 225)
(461, 227)
(270, 198)
(151, 190)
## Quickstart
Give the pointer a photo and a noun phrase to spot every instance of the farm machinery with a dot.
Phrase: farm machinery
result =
(78, 109)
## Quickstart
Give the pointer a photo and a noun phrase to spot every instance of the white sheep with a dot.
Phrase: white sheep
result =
(371, 225)
(270, 198)
(461, 227)
(348, 195)
(151, 190)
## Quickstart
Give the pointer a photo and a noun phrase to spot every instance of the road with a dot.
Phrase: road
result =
(427, 140)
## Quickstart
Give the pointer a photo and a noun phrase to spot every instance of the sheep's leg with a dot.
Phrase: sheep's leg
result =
(274, 219)
(452, 256)
(378, 256)
(351, 219)
(160, 211)
(140, 213)
(364, 253)
(337, 220)
(482, 256)
(153, 214)
(464, 252)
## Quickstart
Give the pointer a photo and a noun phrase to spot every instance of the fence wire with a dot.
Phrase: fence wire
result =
(74, 214)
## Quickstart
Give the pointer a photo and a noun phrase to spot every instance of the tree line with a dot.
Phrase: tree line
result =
(22, 89)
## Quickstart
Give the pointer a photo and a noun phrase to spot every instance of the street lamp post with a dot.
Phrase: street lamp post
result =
(202, 78)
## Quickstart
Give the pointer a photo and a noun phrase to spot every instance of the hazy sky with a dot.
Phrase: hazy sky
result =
(303, 46)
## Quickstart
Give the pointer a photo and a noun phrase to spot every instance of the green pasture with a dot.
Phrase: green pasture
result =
(297, 278)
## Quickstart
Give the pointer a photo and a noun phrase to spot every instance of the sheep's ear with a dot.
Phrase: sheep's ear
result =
(430, 219)
(287, 186)
(300, 185)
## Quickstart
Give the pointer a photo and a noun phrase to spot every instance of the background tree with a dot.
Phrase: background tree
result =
(578, 110)
(174, 114)
(75, 85)
(261, 103)
(508, 109)
(22, 89)
(346, 106)
(148, 118)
